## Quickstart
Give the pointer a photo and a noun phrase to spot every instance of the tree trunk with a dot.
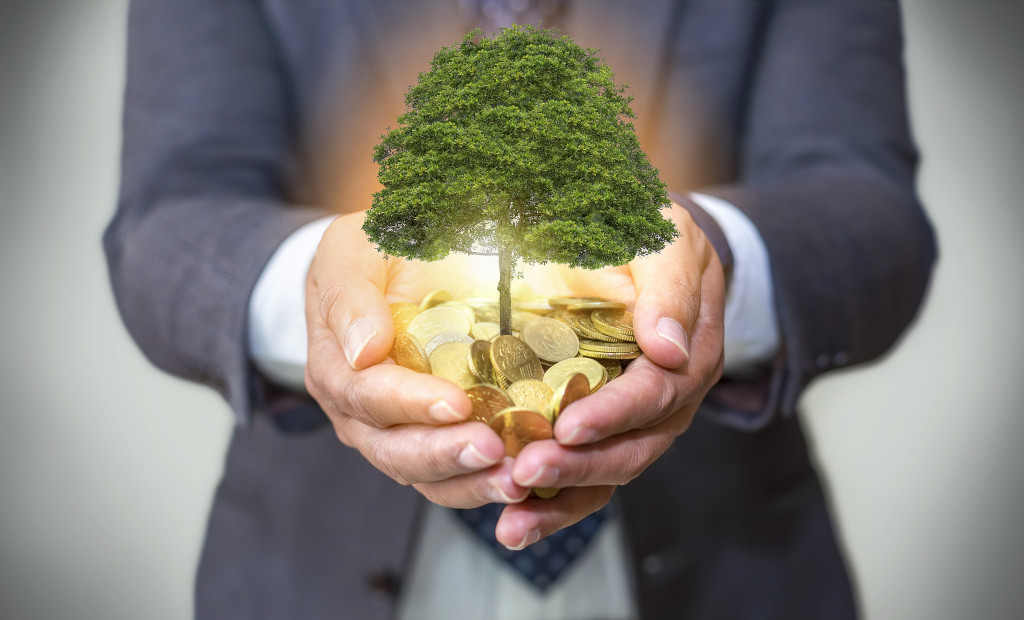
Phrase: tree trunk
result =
(505, 262)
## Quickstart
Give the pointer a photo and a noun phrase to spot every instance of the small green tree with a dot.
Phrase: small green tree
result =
(518, 145)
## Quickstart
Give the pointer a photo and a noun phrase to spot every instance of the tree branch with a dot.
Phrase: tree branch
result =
(478, 253)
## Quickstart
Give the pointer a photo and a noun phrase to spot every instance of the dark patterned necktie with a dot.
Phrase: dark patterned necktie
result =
(543, 562)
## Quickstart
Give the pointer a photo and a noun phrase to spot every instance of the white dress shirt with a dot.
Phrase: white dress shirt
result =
(448, 557)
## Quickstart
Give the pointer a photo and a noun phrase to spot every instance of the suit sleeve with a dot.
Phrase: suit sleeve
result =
(827, 177)
(207, 174)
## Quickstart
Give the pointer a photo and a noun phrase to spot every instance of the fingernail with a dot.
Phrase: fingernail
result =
(472, 458)
(671, 330)
(546, 476)
(531, 537)
(580, 435)
(443, 412)
(359, 335)
(499, 495)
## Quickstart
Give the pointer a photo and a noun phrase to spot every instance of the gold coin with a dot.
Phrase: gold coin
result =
(484, 330)
(458, 305)
(614, 367)
(567, 318)
(434, 321)
(513, 360)
(519, 319)
(594, 305)
(560, 303)
(435, 298)
(608, 347)
(406, 351)
(518, 427)
(479, 302)
(624, 355)
(480, 361)
(482, 307)
(531, 394)
(487, 401)
(552, 340)
(487, 314)
(617, 323)
(560, 372)
(582, 325)
(532, 304)
(571, 390)
(449, 361)
(444, 337)
(401, 313)
(545, 493)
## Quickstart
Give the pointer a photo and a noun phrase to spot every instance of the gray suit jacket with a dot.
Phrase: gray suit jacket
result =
(792, 111)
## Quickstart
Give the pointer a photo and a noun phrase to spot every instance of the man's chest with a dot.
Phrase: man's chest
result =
(350, 64)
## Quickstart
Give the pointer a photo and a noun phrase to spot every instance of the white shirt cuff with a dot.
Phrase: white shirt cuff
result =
(277, 308)
(751, 328)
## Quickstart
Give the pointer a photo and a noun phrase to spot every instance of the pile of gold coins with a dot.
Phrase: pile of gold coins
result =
(561, 349)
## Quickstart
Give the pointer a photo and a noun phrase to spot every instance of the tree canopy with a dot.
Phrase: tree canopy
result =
(520, 143)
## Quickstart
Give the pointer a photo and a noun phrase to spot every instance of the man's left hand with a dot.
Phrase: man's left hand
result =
(613, 435)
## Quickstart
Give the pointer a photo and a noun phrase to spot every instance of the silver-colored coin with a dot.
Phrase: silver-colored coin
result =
(444, 337)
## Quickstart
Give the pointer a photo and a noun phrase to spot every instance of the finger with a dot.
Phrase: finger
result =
(668, 299)
(416, 453)
(616, 460)
(382, 395)
(523, 524)
(493, 485)
(643, 396)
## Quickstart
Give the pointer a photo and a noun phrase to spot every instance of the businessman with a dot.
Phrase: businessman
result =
(237, 260)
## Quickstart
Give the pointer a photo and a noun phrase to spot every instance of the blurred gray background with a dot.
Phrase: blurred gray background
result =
(107, 466)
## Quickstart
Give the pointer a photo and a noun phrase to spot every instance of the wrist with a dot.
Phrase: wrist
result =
(711, 229)
(276, 329)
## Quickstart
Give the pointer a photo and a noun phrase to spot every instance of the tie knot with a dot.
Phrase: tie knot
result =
(493, 15)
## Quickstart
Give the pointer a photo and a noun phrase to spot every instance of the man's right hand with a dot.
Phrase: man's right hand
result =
(403, 422)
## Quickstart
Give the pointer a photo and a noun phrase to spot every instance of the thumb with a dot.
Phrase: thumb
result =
(344, 295)
(668, 303)
(356, 311)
